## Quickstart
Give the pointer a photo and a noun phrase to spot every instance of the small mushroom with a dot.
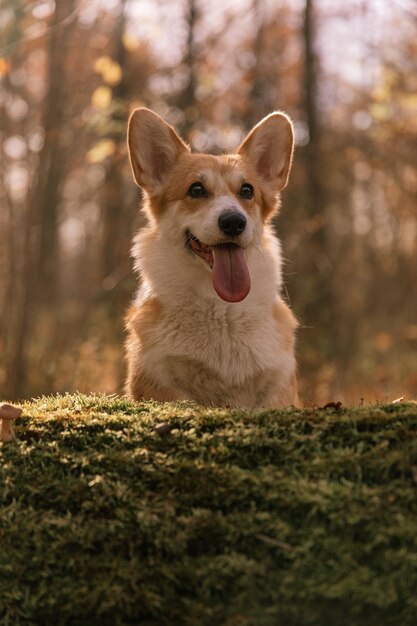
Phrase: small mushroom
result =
(8, 413)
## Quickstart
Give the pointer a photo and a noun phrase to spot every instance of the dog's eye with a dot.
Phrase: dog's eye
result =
(197, 190)
(246, 191)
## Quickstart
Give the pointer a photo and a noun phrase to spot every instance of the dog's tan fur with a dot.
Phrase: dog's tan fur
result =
(184, 341)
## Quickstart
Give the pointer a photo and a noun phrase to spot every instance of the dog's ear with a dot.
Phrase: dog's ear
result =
(269, 147)
(154, 147)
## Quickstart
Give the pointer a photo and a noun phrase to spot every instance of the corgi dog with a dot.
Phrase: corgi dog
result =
(208, 322)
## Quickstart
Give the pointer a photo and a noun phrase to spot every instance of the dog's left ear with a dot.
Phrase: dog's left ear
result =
(269, 146)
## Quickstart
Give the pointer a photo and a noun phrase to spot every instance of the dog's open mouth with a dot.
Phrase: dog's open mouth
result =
(231, 279)
(199, 248)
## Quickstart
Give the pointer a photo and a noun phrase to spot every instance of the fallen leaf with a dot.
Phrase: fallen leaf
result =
(163, 429)
(331, 405)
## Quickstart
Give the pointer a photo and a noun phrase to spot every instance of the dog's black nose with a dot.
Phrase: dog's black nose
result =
(232, 223)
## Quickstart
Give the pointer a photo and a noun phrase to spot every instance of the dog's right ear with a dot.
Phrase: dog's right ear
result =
(154, 147)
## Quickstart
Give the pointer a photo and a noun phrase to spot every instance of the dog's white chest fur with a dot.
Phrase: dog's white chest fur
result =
(207, 350)
(217, 357)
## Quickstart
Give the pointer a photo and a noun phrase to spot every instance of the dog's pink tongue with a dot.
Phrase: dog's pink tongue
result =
(231, 279)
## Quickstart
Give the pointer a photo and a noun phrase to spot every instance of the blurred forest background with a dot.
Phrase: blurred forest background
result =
(346, 72)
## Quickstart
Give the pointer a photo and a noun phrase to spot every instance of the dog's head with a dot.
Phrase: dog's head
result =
(214, 207)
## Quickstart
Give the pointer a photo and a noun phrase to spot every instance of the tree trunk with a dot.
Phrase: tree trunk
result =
(259, 105)
(187, 99)
(112, 207)
(45, 201)
(314, 198)
(40, 268)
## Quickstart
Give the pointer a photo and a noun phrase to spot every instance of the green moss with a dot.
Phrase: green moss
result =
(235, 518)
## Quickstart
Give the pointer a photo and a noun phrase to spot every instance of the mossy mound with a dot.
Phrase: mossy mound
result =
(266, 518)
